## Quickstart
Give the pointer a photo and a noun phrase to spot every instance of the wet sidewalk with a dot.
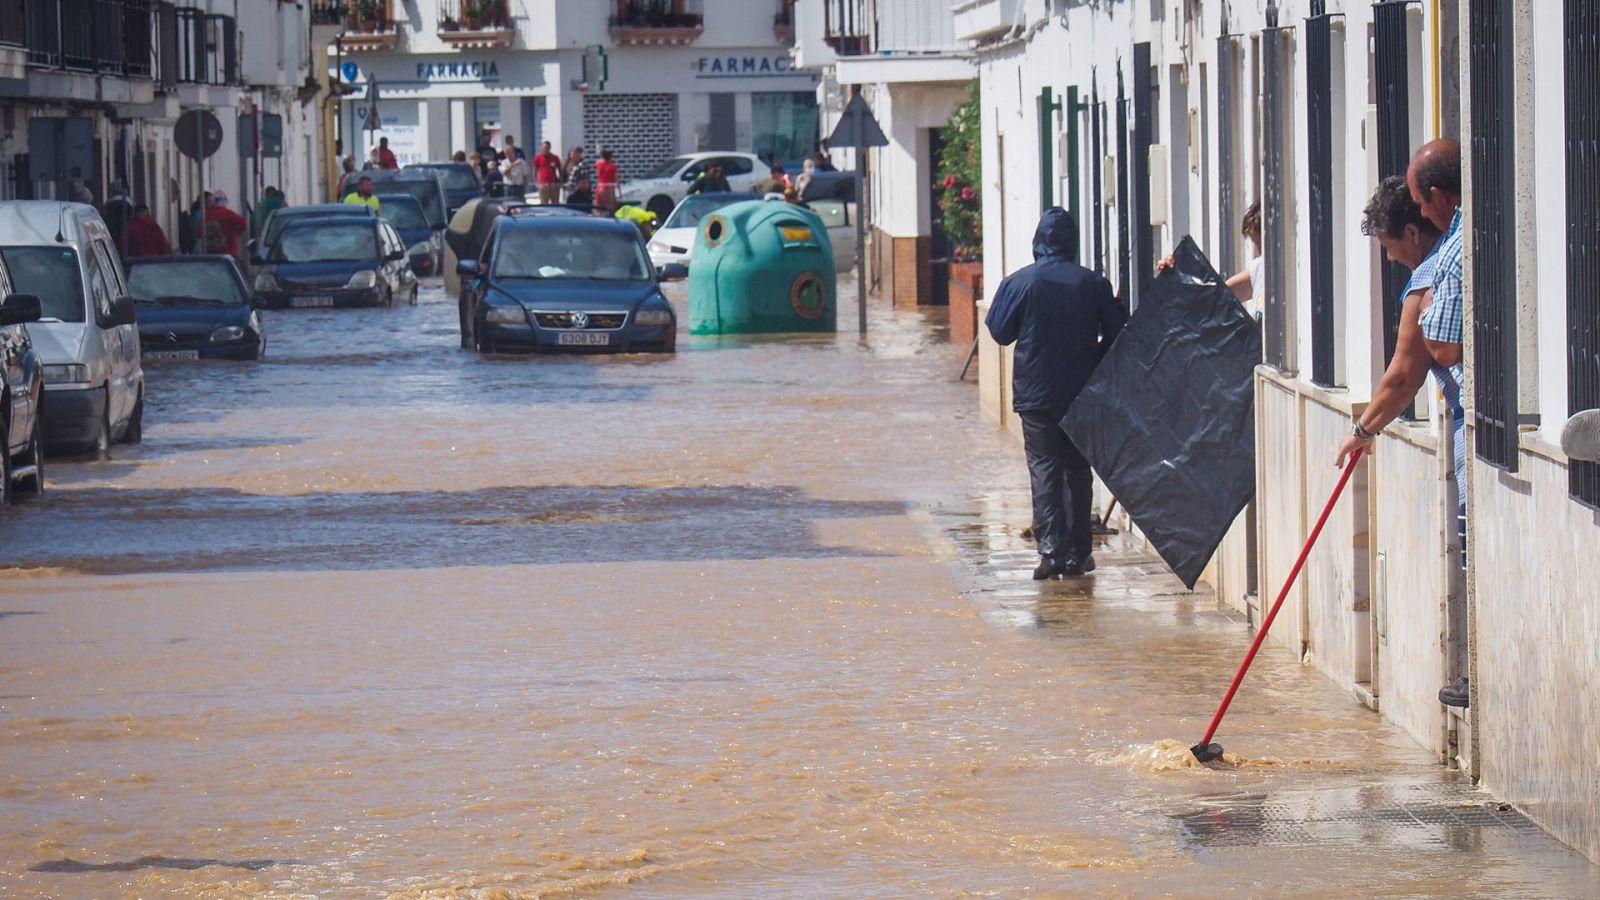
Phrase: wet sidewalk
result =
(378, 617)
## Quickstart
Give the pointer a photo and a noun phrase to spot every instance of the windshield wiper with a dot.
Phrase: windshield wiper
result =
(176, 299)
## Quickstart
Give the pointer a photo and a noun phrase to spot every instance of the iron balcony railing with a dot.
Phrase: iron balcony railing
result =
(207, 48)
(1582, 63)
(474, 15)
(847, 27)
(369, 16)
(13, 25)
(114, 37)
(658, 14)
(328, 12)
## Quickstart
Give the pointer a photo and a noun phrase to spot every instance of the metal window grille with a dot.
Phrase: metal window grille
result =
(1392, 65)
(1319, 151)
(1227, 200)
(1074, 172)
(1124, 258)
(1274, 224)
(1142, 250)
(1582, 29)
(1097, 127)
(1493, 196)
(1047, 130)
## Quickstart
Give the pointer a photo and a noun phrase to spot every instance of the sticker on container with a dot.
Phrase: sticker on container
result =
(809, 295)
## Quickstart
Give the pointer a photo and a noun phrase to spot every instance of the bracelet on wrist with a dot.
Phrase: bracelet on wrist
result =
(1362, 433)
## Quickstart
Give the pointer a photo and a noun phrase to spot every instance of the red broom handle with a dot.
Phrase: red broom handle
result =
(1349, 469)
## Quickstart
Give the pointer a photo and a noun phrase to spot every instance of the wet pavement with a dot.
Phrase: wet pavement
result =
(377, 617)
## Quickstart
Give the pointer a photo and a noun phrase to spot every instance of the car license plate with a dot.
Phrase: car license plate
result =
(172, 354)
(311, 300)
(583, 339)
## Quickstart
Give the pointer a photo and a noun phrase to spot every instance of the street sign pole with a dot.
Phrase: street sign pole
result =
(861, 224)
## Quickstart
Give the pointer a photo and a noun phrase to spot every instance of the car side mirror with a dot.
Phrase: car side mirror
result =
(437, 226)
(123, 312)
(468, 268)
(396, 254)
(20, 308)
(673, 272)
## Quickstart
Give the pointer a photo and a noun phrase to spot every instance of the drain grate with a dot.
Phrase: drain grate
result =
(1413, 814)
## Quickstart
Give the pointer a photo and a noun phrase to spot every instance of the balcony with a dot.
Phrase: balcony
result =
(783, 24)
(846, 27)
(109, 37)
(645, 22)
(475, 24)
(207, 50)
(370, 25)
(982, 21)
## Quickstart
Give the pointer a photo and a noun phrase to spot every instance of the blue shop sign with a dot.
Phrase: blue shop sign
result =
(744, 67)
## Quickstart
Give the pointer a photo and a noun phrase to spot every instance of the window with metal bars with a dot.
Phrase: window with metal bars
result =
(1124, 256)
(1097, 128)
(1582, 76)
(1227, 164)
(1277, 241)
(1493, 197)
(1319, 151)
(1142, 249)
(1392, 70)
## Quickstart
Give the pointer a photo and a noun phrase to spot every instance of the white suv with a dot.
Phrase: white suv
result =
(661, 189)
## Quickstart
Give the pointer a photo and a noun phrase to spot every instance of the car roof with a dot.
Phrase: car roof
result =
(393, 198)
(707, 154)
(325, 209)
(330, 220)
(378, 175)
(39, 221)
(185, 259)
(579, 222)
(451, 164)
(721, 195)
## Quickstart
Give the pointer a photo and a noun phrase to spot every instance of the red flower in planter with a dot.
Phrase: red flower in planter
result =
(949, 181)
(967, 194)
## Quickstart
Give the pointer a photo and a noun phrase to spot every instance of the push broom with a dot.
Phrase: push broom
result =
(1206, 751)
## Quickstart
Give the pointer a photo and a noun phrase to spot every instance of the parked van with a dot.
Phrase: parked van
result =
(86, 337)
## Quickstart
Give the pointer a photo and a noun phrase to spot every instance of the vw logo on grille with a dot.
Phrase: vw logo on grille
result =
(580, 320)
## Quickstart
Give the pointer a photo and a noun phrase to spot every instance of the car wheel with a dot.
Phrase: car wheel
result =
(35, 484)
(660, 206)
(135, 432)
(102, 441)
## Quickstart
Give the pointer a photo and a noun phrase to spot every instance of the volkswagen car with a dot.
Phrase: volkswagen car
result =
(194, 307)
(553, 283)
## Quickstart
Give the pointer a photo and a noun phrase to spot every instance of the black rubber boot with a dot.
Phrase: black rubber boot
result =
(1074, 567)
(1048, 568)
(1454, 694)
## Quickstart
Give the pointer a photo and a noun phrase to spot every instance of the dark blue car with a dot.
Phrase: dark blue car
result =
(336, 261)
(460, 182)
(562, 282)
(194, 307)
(424, 244)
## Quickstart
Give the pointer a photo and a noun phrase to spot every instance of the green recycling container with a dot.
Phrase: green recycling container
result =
(762, 266)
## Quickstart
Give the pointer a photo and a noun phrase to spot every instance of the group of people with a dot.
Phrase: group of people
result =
(209, 225)
(553, 179)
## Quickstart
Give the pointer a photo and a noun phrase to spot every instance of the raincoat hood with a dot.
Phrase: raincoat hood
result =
(1056, 236)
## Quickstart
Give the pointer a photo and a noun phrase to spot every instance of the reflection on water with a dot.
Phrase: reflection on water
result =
(377, 617)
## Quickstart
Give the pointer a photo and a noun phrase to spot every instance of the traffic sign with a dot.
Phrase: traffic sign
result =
(198, 134)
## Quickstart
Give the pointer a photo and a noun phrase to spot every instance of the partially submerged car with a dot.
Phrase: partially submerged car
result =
(660, 189)
(86, 337)
(21, 392)
(280, 218)
(460, 182)
(423, 184)
(556, 282)
(673, 242)
(336, 261)
(194, 307)
(424, 245)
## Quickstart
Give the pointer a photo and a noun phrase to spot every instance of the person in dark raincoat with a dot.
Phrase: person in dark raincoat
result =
(1062, 318)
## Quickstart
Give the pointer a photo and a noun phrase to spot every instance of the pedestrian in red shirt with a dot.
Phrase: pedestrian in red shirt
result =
(145, 237)
(547, 165)
(223, 227)
(386, 158)
(605, 172)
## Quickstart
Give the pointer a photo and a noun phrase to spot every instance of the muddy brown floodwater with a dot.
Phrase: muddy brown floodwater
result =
(377, 617)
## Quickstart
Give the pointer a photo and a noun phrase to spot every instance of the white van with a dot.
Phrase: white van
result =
(87, 338)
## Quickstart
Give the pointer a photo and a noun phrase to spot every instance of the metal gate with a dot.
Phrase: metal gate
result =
(1493, 193)
(1275, 234)
(1583, 228)
(1142, 250)
(1097, 128)
(1124, 256)
(1394, 138)
(1320, 196)
(1227, 164)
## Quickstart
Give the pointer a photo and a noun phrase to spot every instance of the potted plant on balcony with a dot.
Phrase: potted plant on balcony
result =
(366, 15)
(960, 174)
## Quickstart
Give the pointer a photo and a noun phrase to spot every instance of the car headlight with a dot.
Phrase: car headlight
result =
(506, 315)
(656, 247)
(227, 333)
(66, 373)
(266, 281)
(362, 280)
(420, 248)
(653, 316)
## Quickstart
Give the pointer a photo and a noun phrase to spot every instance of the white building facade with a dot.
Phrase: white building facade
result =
(646, 81)
(1152, 121)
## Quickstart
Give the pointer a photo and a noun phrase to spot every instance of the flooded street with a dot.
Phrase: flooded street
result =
(378, 617)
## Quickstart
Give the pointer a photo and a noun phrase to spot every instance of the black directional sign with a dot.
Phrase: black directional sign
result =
(198, 134)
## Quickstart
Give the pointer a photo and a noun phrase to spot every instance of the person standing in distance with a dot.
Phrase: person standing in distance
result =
(1062, 317)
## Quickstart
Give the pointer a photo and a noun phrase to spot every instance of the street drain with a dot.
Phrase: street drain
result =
(1445, 814)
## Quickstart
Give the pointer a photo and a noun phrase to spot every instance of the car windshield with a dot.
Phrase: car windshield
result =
(52, 274)
(668, 168)
(456, 178)
(167, 282)
(574, 253)
(693, 209)
(403, 212)
(832, 212)
(336, 241)
(283, 217)
(425, 192)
